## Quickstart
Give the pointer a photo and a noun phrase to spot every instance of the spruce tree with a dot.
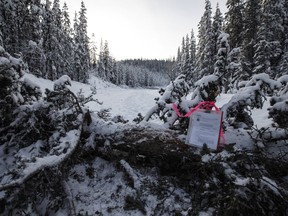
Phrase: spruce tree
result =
(217, 26)
(1, 22)
(100, 63)
(251, 21)
(283, 64)
(192, 56)
(205, 51)
(1, 36)
(57, 39)
(82, 57)
(33, 52)
(10, 26)
(234, 22)
(48, 44)
(67, 43)
(93, 52)
(106, 61)
(270, 38)
(186, 69)
(182, 56)
(221, 64)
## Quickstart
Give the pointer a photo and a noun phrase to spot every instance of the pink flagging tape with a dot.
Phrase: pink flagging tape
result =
(207, 105)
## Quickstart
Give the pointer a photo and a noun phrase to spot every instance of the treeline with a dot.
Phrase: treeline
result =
(133, 72)
(42, 34)
(251, 38)
(144, 72)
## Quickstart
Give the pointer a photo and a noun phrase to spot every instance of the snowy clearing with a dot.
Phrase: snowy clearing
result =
(129, 102)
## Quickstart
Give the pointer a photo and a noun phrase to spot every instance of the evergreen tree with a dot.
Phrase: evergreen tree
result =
(1, 22)
(192, 56)
(93, 52)
(251, 21)
(13, 92)
(33, 53)
(221, 63)
(21, 24)
(57, 39)
(236, 70)
(67, 43)
(114, 71)
(107, 61)
(100, 63)
(234, 22)
(217, 25)
(205, 51)
(182, 56)
(48, 42)
(283, 64)
(270, 38)
(10, 26)
(1, 36)
(178, 61)
(82, 58)
(186, 69)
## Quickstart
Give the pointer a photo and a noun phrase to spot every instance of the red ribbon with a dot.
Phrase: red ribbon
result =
(207, 105)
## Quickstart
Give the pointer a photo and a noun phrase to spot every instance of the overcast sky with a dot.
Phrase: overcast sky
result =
(142, 28)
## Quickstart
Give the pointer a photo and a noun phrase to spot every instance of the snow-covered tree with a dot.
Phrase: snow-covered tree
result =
(206, 89)
(107, 61)
(192, 51)
(1, 22)
(10, 25)
(279, 104)
(217, 26)
(252, 95)
(144, 73)
(32, 46)
(33, 130)
(176, 91)
(283, 64)
(100, 62)
(93, 52)
(11, 70)
(236, 72)
(49, 42)
(205, 48)
(251, 22)
(221, 64)
(184, 63)
(234, 22)
(270, 38)
(67, 43)
(81, 49)
(1, 40)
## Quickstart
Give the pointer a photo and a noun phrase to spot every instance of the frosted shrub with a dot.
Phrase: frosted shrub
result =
(206, 89)
(279, 104)
(252, 95)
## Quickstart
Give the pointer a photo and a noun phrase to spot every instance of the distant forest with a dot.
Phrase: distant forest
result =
(250, 38)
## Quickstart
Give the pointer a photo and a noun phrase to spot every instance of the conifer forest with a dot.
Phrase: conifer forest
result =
(64, 151)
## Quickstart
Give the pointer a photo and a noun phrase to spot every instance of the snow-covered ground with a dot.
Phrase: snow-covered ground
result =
(129, 102)
(105, 192)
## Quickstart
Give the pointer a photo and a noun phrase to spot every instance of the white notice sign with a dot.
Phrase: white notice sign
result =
(204, 128)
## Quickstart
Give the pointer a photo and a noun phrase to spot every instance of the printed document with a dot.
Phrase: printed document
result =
(204, 128)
